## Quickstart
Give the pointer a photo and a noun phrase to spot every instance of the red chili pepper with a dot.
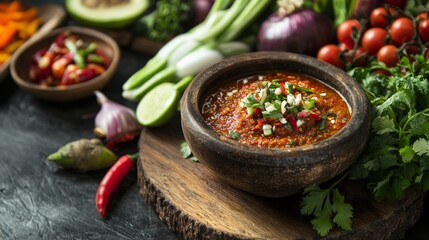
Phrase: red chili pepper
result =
(291, 119)
(111, 181)
(121, 139)
(282, 88)
(315, 117)
(257, 112)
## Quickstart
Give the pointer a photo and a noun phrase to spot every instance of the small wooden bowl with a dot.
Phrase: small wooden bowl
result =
(275, 172)
(52, 16)
(21, 62)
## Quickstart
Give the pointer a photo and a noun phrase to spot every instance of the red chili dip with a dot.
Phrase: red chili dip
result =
(275, 110)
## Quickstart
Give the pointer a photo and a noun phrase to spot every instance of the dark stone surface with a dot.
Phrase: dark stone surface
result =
(40, 201)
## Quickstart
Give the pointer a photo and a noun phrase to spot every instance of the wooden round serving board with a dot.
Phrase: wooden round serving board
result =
(193, 203)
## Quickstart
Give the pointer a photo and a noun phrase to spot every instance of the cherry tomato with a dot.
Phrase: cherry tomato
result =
(345, 30)
(331, 54)
(398, 3)
(388, 55)
(424, 30)
(402, 30)
(380, 17)
(373, 40)
(422, 16)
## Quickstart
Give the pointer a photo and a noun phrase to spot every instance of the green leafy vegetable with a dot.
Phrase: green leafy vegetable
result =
(235, 135)
(186, 152)
(398, 154)
(166, 21)
(328, 208)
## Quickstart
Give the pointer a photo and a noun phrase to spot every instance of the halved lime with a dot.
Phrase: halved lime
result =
(158, 106)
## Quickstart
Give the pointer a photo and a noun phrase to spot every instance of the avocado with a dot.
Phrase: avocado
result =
(112, 17)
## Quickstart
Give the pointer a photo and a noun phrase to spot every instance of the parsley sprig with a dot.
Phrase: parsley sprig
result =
(397, 155)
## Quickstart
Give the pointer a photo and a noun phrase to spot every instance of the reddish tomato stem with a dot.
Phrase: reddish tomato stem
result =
(111, 181)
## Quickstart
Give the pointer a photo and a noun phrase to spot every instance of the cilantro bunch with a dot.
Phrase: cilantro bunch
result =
(397, 155)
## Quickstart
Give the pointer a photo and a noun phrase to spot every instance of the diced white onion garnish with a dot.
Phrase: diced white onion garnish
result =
(333, 121)
(283, 107)
(283, 120)
(260, 77)
(234, 91)
(278, 91)
(245, 81)
(298, 99)
(290, 99)
(229, 94)
(270, 108)
(299, 122)
(268, 129)
(323, 94)
(262, 95)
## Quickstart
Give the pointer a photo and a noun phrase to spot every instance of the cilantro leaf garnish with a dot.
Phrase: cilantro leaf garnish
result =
(235, 135)
(186, 151)
(328, 208)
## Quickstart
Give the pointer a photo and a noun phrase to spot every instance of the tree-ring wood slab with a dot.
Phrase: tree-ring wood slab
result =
(193, 203)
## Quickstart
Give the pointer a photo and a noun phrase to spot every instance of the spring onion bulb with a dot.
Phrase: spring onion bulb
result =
(114, 120)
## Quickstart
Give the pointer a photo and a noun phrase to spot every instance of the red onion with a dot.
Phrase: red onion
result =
(304, 31)
(201, 9)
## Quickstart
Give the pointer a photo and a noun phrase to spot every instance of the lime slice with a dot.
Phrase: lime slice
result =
(158, 106)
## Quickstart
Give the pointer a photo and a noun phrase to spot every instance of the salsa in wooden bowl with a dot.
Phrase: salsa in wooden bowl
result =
(274, 123)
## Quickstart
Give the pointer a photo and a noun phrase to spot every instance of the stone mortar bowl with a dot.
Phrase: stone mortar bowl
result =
(274, 172)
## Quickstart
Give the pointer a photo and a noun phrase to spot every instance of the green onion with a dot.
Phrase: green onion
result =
(322, 122)
(310, 104)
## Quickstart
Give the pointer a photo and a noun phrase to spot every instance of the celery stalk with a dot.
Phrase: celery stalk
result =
(231, 14)
(247, 16)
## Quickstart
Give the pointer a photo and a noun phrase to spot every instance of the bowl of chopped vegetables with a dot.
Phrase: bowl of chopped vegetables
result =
(67, 64)
(20, 24)
(274, 123)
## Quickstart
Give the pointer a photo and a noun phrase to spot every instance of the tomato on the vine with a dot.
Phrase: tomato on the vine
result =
(388, 55)
(423, 16)
(424, 30)
(402, 30)
(345, 31)
(373, 40)
(331, 54)
(380, 17)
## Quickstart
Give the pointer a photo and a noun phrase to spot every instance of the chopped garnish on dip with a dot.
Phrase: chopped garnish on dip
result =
(275, 110)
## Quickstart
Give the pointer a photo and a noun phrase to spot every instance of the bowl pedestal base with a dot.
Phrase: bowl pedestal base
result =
(193, 203)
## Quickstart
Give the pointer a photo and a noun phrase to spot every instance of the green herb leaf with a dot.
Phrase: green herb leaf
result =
(407, 154)
(383, 124)
(317, 202)
(235, 135)
(186, 151)
(344, 211)
(322, 223)
(312, 203)
(421, 147)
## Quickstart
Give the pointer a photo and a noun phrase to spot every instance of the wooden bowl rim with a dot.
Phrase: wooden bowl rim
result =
(360, 112)
(80, 31)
